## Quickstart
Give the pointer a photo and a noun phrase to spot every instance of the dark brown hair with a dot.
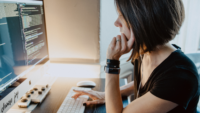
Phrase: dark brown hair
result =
(154, 22)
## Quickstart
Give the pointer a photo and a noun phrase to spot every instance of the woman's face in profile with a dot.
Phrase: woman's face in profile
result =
(121, 23)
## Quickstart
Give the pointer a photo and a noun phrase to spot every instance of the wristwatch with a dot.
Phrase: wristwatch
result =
(116, 62)
(111, 70)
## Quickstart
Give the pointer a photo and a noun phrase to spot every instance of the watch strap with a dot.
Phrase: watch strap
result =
(111, 70)
(116, 62)
(112, 66)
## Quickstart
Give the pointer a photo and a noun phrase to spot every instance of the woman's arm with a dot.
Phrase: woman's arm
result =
(146, 103)
(112, 94)
(118, 46)
(127, 89)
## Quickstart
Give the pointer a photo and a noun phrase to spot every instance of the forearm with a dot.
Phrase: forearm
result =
(127, 89)
(118, 46)
(112, 94)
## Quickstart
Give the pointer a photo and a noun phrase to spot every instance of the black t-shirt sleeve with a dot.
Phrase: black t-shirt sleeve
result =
(177, 85)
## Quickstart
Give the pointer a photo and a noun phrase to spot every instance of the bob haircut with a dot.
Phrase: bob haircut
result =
(154, 22)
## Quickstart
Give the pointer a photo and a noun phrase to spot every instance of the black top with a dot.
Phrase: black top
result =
(175, 79)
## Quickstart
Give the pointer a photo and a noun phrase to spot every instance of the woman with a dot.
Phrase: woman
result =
(165, 80)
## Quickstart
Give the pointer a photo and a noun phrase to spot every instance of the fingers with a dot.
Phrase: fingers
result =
(118, 43)
(113, 43)
(123, 43)
(95, 102)
(80, 91)
(76, 96)
(131, 40)
(83, 92)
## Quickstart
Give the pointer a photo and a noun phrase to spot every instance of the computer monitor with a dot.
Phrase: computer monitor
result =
(23, 39)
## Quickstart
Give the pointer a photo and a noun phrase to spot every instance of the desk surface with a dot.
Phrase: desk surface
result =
(60, 89)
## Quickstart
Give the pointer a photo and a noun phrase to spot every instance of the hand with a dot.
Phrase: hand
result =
(97, 97)
(119, 46)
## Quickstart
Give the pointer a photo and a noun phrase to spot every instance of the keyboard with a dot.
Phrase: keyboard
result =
(70, 105)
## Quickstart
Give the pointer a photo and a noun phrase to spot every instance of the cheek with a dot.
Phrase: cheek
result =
(127, 33)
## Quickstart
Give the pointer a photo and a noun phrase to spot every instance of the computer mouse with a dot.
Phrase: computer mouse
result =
(86, 83)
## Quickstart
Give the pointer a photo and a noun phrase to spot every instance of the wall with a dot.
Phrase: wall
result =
(108, 15)
(188, 38)
(108, 30)
(74, 36)
(73, 30)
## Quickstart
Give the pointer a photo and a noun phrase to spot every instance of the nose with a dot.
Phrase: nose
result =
(118, 23)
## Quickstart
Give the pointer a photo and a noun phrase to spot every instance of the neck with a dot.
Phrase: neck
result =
(161, 52)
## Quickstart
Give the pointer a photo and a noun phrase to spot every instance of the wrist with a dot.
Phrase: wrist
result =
(110, 70)
(112, 58)
(112, 66)
(112, 62)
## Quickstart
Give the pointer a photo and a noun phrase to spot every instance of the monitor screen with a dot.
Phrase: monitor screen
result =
(23, 41)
